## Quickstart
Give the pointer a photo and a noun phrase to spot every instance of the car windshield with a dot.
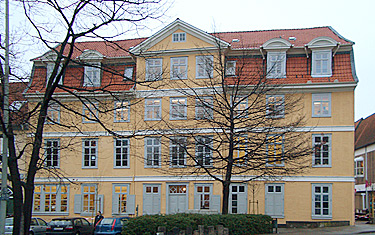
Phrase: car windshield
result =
(61, 222)
(9, 222)
(106, 221)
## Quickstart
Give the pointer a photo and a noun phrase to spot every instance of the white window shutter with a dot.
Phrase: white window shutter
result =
(77, 203)
(216, 203)
(100, 203)
(115, 204)
(196, 200)
(130, 204)
(242, 203)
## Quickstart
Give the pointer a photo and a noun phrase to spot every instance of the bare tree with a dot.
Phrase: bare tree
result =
(236, 122)
(59, 26)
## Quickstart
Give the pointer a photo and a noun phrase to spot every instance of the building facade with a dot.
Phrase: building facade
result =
(116, 165)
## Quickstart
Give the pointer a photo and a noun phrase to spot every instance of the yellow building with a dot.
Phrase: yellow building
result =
(132, 162)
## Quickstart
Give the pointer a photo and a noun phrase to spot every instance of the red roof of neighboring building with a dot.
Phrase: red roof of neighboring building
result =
(365, 132)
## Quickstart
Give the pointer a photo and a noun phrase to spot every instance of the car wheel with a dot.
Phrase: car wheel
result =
(31, 233)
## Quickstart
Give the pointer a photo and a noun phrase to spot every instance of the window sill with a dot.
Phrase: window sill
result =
(321, 217)
(321, 75)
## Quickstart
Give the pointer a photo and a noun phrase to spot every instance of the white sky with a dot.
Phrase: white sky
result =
(354, 20)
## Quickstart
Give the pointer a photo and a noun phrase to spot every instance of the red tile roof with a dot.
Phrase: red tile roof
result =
(365, 132)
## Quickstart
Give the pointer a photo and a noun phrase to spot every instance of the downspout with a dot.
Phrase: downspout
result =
(338, 47)
(366, 180)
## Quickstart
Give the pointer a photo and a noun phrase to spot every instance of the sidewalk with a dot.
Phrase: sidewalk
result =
(359, 228)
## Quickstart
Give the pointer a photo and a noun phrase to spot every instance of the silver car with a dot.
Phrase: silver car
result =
(37, 226)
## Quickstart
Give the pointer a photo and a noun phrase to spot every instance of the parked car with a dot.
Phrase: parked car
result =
(37, 226)
(67, 226)
(110, 226)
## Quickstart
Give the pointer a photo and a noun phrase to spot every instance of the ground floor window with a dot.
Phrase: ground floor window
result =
(51, 198)
(321, 201)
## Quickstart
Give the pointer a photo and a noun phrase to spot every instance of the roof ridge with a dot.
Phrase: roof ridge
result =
(130, 39)
(265, 30)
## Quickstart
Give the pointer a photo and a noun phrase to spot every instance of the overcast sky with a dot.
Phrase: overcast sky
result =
(354, 20)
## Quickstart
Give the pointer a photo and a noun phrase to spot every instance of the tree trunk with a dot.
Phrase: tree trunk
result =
(225, 206)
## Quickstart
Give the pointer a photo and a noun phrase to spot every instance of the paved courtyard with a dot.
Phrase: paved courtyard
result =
(359, 228)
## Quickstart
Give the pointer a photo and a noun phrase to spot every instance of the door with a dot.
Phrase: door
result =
(274, 200)
(151, 199)
(177, 199)
(238, 199)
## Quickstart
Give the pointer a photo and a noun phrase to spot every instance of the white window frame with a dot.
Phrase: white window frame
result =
(128, 73)
(122, 197)
(359, 167)
(179, 67)
(318, 61)
(321, 198)
(92, 196)
(91, 111)
(274, 145)
(240, 106)
(122, 111)
(178, 108)
(275, 106)
(204, 108)
(276, 64)
(50, 67)
(52, 153)
(121, 153)
(92, 75)
(154, 69)
(203, 150)
(201, 196)
(240, 151)
(150, 160)
(204, 66)
(177, 145)
(53, 114)
(59, 196)
(154, 108)
(92, 153)
(179, 37)
(230, 68)
(320, 102)
(324, 148)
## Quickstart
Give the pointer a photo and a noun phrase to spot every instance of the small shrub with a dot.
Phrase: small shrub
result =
(237, 224)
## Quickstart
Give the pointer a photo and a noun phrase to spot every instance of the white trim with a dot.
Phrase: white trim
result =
(183, 131)
(369, 148)
(185, 178)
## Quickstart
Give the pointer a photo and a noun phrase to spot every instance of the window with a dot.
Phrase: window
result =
(152, 152)
(177, 151)
(51, 199)
(204, 66)
(204, 108)
(179, 37)
(128, 73)
(89, 192)
(276, 63)
(120, 195)
(121, 153)
(53, 114)
(240, 107)
(358, 170)
(90, 112)
(50, 67)
(275, 106)
(154, 69)
(203, 150)
(275, 150)
(240, 151)
(321, 105)
(90, 153)
(321, 201)
(238, 199)
(92, 75)
(321, 63)
(231, 68)
(202, 196)
(122, 111)
(17, 105)
(179, 67)
(322, 150)
(52, 153)
(177, 108)
(152, 109)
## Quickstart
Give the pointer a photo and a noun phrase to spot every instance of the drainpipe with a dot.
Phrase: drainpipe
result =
(366, 180)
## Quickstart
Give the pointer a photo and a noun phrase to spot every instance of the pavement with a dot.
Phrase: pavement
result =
(360, 227)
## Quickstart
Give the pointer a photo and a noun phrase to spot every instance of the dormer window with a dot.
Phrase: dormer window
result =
(179, 37)
(50, 67)
(276, 63)
(321, 63)
(92, 75)
(230, 69)
(128, 73)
